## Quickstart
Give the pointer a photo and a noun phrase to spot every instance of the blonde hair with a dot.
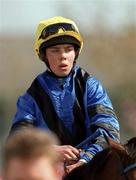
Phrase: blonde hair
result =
(30, 143)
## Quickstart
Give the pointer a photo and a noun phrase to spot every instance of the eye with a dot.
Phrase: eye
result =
(70, 48)
(55, 50)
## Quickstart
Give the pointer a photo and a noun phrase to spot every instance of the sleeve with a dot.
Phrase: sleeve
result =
(27, 114)
(102, 120)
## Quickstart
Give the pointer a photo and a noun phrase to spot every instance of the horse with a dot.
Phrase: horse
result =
(116, 162)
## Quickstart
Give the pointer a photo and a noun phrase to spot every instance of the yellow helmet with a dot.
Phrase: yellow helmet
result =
(56, 30)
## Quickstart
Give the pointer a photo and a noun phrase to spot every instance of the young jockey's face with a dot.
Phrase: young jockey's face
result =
(37, 169)
(61, 58)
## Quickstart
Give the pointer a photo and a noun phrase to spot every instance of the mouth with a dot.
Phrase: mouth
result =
(63, 66)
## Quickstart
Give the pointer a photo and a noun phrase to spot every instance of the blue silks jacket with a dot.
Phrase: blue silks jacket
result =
(99, 118)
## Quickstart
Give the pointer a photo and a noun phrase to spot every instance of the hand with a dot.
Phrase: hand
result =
(70, 168)
(68, 153)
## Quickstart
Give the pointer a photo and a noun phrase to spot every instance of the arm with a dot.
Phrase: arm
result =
(101, 119)
(27, 115)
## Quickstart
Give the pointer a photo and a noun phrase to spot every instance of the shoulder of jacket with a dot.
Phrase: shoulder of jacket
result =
(81, 73)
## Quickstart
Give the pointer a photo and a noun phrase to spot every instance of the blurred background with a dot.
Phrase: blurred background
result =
(109, 31)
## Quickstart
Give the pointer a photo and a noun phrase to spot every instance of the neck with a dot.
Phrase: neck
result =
(54, 75)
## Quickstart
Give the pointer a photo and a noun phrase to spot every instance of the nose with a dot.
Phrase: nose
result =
(63, 54)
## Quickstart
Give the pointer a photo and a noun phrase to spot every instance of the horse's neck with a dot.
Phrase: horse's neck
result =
(116, 167)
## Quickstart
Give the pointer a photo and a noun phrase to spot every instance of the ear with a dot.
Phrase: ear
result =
(76, 53)
(107, 139)
(115, 146)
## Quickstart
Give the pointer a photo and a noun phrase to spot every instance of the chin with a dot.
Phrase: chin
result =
(64, 74)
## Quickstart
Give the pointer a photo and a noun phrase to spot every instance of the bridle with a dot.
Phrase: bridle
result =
(129, 168)
(125, 170)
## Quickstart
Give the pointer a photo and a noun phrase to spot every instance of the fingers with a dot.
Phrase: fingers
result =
(70, 168)
(68, 152)
(71, 152)
(70, 158)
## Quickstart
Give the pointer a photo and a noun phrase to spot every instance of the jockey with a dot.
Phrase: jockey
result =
(65, 99)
